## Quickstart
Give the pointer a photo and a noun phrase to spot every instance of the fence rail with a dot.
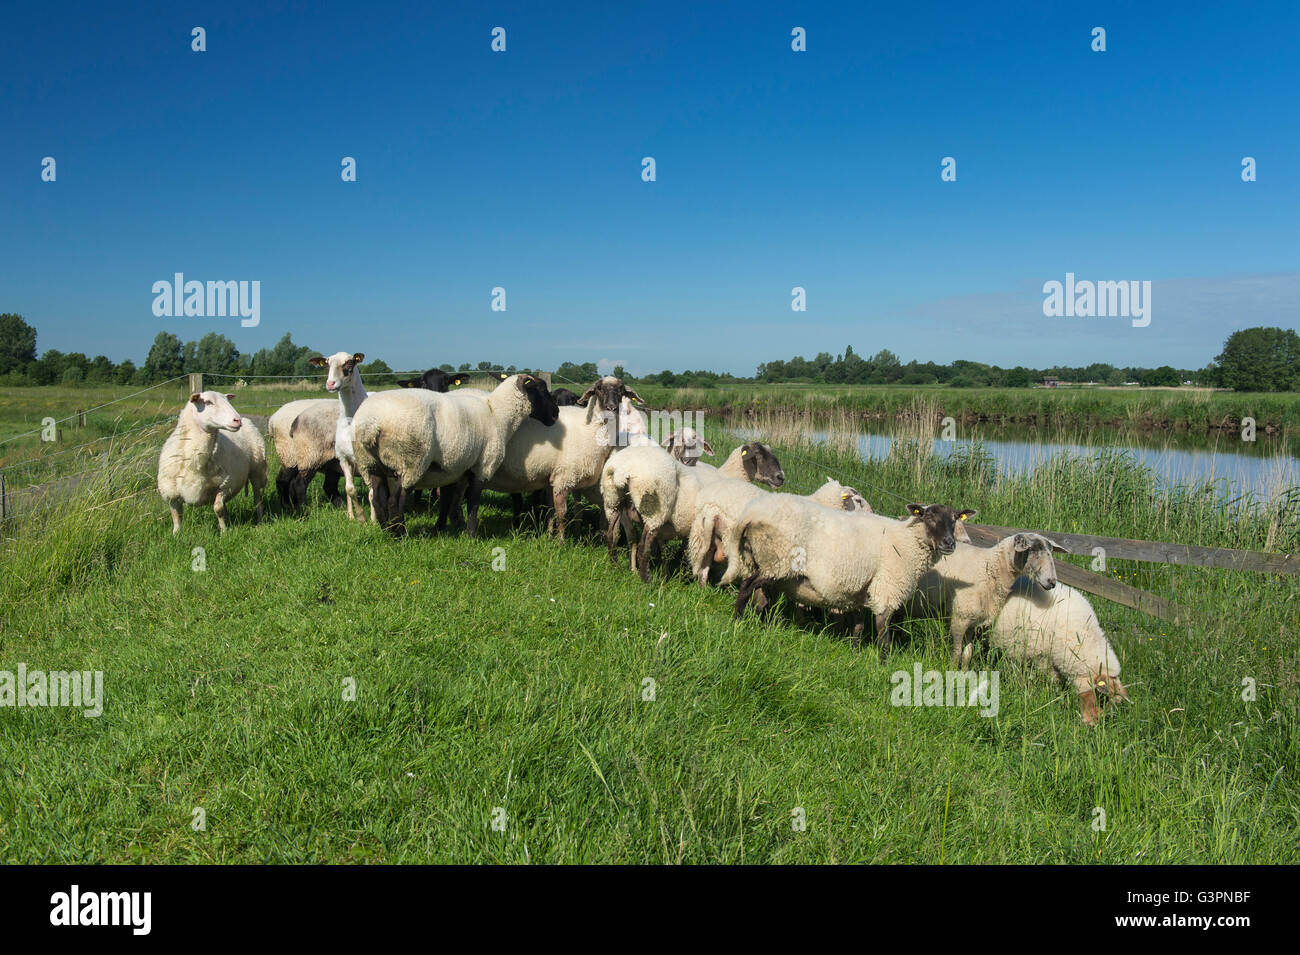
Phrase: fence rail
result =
(1160, 552)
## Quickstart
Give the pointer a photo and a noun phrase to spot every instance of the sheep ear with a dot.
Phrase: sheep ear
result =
(318, 361)
(633, 395)
(668, 441)
(196, 398)
(359, 357)
(586, 395)
(967, 514)
(708, 448)
(406, 383)
(230, 397)
(1021, 542)
(1056, 548)
(916, 510)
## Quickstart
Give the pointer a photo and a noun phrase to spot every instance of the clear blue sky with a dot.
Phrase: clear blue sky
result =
(775, 169)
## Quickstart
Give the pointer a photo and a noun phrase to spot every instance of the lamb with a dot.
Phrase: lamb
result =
(719, 504)
(417, 438)
(663, 492)
(568, 455)
(303, 432)
(970, 586)
(210, 457)
(344, 377)
(1058, 631)
(841, 561)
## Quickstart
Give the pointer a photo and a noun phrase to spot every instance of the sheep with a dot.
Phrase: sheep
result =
(842, 561)
(568, 455)
(425, 439)
(210, 457)
(565, 398)
(435, 379)
(344, 378)
(721, 502)
(662, 491)
(970, 586)
(1057, 630)
(303, 432)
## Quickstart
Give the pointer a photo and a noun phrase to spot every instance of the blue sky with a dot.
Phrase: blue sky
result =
(522, 169)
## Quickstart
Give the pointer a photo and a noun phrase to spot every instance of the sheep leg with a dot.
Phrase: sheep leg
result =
(177, 507)
(471, 505)
(561, 499)
(284, 486)
(331, 481)
(219, 508)
(379, 498)
(614, 518)
(756, 582)
(648, 537)
(883, 637)
(516, 508)
(961, 633)
(397, 513)
(350, 486)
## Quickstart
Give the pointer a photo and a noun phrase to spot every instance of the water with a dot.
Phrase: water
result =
(1263, 470)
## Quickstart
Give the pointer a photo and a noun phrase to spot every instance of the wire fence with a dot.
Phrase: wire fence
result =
(104, 443)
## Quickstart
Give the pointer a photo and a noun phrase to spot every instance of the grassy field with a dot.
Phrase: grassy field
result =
(521, 689)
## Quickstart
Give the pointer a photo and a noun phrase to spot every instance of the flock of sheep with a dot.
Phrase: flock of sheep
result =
(827, 551)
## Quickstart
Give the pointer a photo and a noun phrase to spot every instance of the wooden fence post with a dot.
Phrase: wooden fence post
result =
(81, 417)
(196, 382)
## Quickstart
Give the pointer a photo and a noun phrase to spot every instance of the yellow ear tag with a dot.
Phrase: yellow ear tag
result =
(743, 453)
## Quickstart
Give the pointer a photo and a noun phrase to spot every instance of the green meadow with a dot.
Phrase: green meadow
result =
(310, 690)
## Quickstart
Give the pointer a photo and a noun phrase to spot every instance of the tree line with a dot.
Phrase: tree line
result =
(1253, 359)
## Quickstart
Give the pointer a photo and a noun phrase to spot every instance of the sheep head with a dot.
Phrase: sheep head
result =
(214, 411)
(686, 446)
(341, 365)
(761, 465)
(942, 524)
(1032, 557)
(544, 408)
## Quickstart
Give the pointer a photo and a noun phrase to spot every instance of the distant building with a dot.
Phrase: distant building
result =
(1051, 382)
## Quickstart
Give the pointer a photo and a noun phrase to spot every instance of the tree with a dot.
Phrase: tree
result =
(164, 360)
(216, 355)
(1261, 359)
(17, 343)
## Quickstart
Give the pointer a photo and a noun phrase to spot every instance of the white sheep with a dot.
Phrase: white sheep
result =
(1057, 630)
(344, 378)
(721, 502)
(970, 586)
(210, 457)
(568, 456)
(840, 561)
(661, 491)
(417, 438)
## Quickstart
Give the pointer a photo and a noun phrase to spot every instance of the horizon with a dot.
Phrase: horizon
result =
(775, 169)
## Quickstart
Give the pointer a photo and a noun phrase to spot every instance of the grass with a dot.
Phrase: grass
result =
(522, 688)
